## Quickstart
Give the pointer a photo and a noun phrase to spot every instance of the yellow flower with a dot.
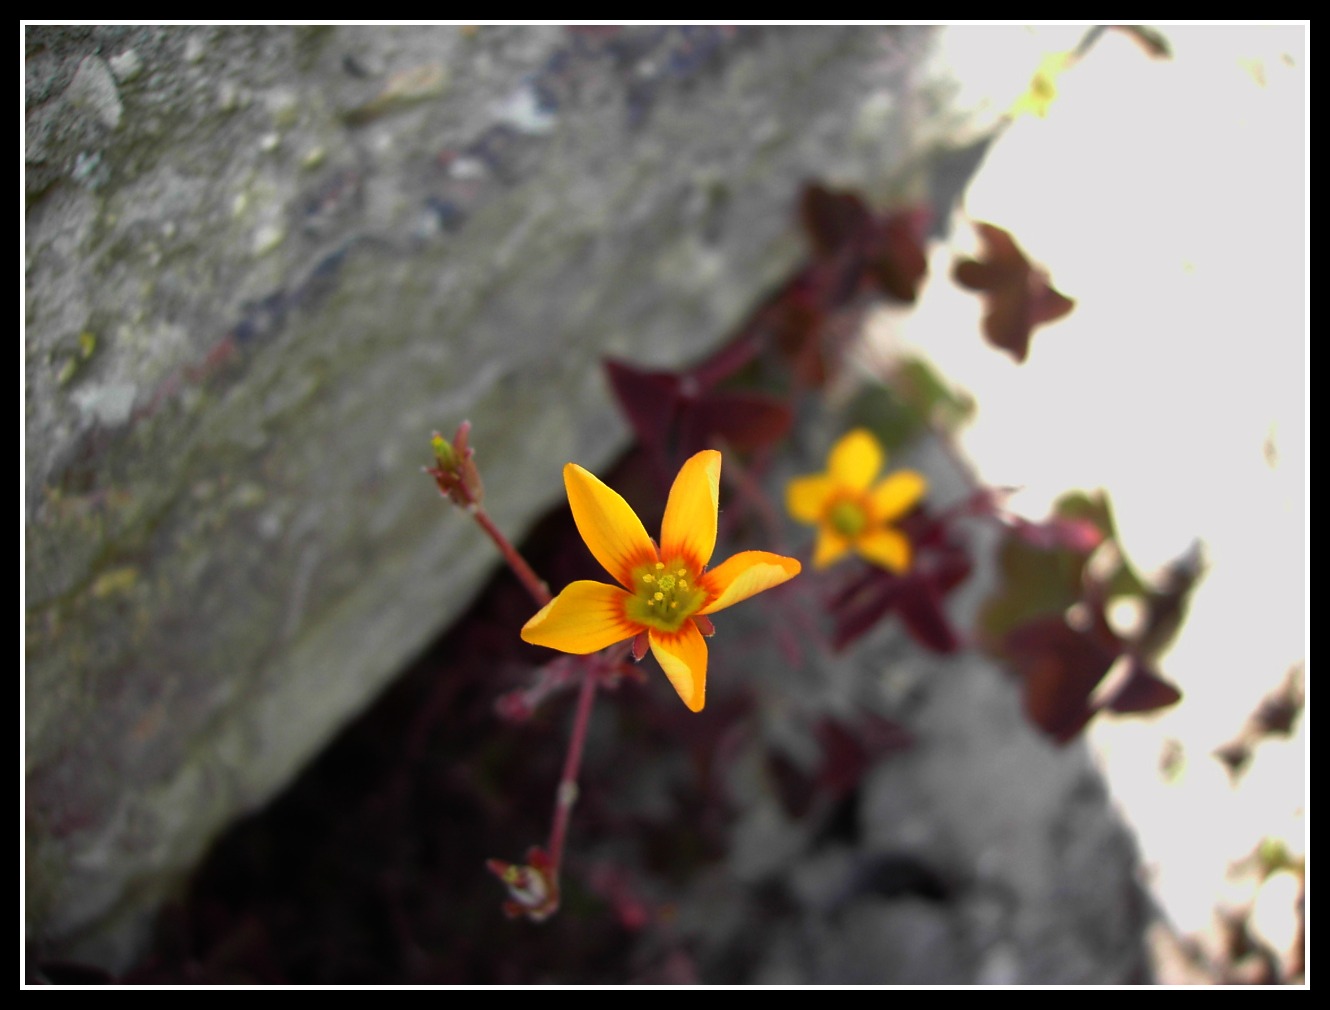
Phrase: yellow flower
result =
(849, 511)
(666, 594)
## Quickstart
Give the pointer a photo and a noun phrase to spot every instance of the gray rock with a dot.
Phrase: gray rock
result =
(262, 265)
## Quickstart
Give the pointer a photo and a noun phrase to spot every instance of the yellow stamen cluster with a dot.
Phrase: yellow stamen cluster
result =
(665, 583)
(847, 518)
(666, 596)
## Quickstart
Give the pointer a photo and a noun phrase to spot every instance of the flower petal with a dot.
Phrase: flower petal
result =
(886, 547)
(855, 460)
(806, 498)
(831, 547)
(746, 574)
(896, 495)
(683, 657)
(689, 526)
(611, 529)
(584, 618)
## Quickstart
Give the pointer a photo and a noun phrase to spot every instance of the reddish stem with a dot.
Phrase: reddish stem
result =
(534, 585)
(566, 795)
(592, 666)
(592, 669)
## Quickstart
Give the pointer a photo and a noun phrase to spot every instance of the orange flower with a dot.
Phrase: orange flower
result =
(666, 594)
(850, 512)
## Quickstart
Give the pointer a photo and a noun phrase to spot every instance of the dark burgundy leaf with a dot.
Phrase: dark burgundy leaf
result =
(923, 612)
(1166, 607)
(940, 565)
(926, 620)
(797, 321)
(1234, 756)
(1143, 691)
(1018, 295)
(898, 262)
(742, 420)
(833, 219)
(675, 415)
(1059, 668)
(858, 608)
(1281, 707)
(649, 400)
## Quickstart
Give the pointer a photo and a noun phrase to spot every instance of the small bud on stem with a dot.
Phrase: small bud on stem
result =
(459, 481)
(456, 472)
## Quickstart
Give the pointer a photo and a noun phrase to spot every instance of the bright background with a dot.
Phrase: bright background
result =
(1168, 197)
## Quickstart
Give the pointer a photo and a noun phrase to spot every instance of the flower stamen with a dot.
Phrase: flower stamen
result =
(847, 518)
(668, 596)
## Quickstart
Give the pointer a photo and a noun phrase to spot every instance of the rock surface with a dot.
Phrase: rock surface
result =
(262, 265)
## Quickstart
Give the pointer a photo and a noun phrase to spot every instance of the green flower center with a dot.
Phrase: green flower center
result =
(665, 595)
(847, 518)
